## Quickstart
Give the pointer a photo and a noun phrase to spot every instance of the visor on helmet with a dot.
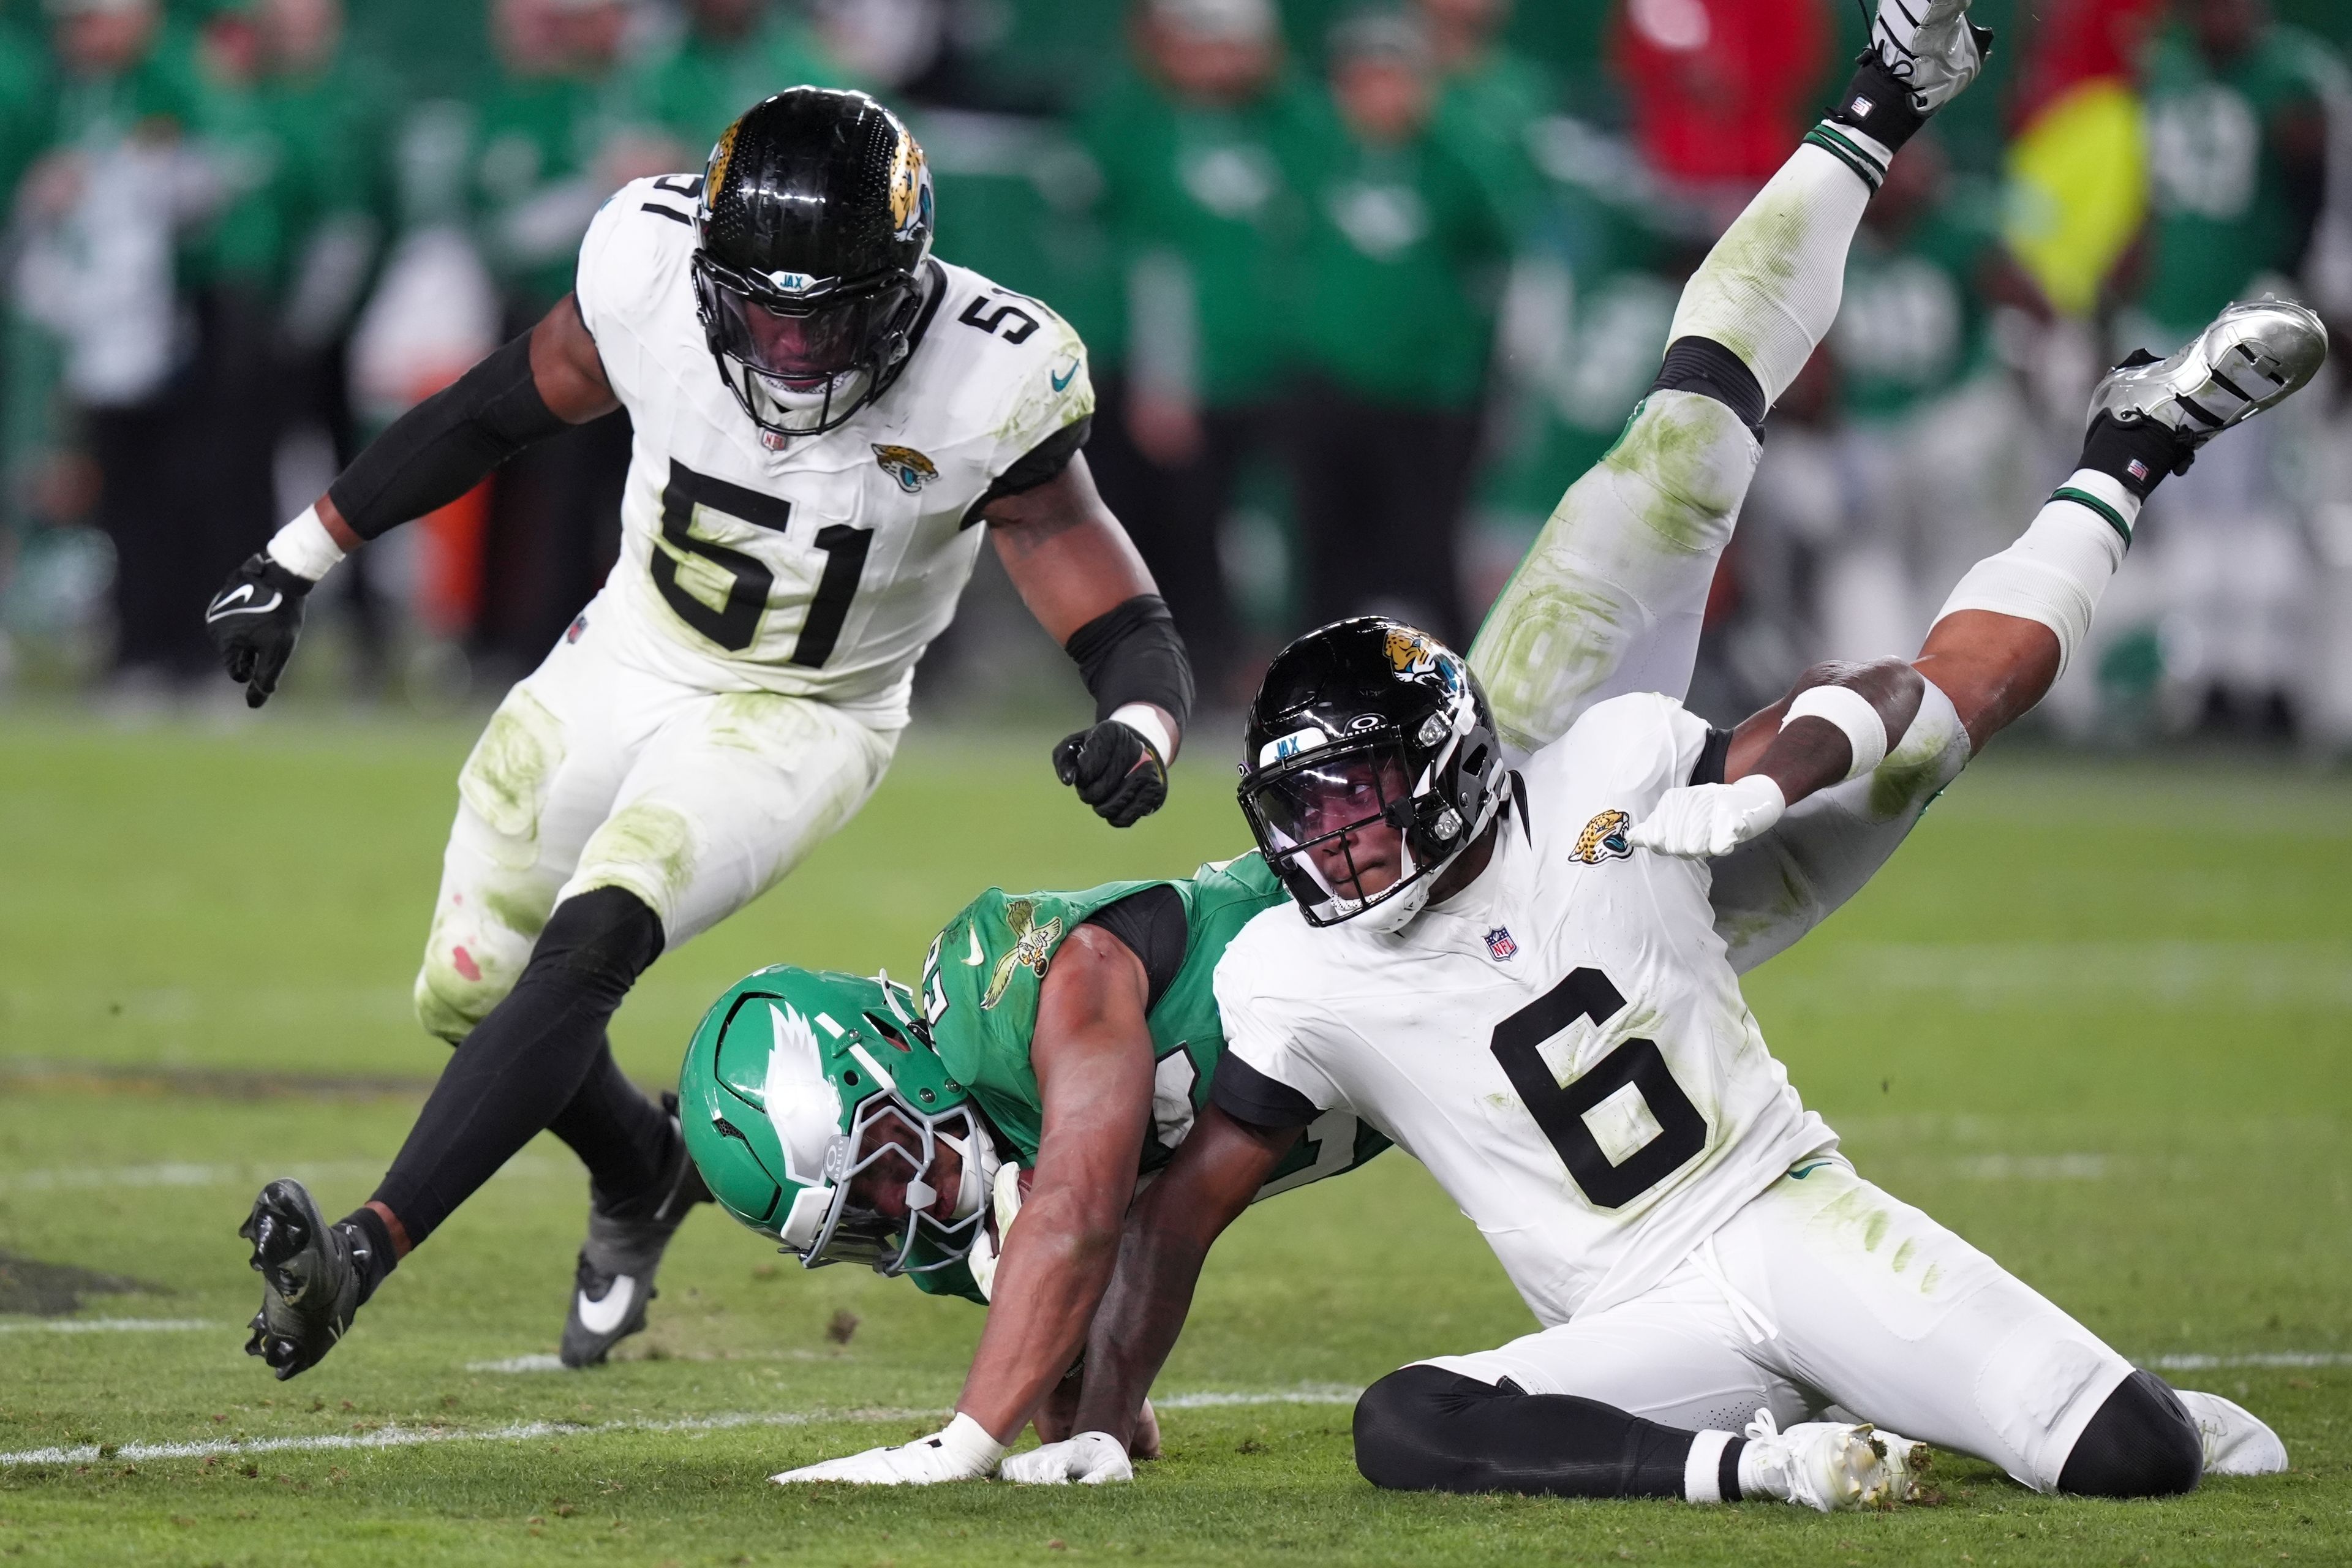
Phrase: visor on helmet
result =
(802, 367)
(1312, 815)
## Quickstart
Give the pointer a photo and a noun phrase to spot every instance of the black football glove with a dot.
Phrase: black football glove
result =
(254, 621)
(1115, 769)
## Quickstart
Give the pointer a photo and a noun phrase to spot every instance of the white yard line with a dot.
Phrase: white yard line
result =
(1307, 1394)
(2256, 1358)
(107, 1326)
(412, 1436)
(176, 1174)
(529, 1431)
(540, 1363)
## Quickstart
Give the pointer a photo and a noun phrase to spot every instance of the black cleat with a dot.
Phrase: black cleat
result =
(311, 1286)
(624, 1250)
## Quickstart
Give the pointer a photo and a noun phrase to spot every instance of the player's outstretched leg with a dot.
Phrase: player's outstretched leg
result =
(628, 1231)
(516, 1072)
(1431, 1428)
(2009, 630)
(1610, 597)
(312, 1278)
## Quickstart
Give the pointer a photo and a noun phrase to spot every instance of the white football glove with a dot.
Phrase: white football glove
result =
(1702, 820)
(961, 1451)
(1090, 1458)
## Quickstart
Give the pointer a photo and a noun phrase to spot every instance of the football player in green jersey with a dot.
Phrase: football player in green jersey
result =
(849, 1122)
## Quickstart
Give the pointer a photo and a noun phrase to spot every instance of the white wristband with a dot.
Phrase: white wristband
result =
(1145, 721)
(968, 1437)
(304, 547)
(1851, 711)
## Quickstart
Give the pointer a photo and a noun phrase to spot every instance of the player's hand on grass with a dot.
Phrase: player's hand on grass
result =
(1699, 821)
(254, 622)
(1116, 770)
(961, 1451)
(1090, 1458)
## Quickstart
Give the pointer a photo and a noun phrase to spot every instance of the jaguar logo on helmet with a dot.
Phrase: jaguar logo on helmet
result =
(908, 467)
(721, 156)
(911, 188)
(1411, 652)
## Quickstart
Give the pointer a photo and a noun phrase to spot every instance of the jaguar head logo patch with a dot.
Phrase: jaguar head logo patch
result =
(1603, 839)
(908, 467)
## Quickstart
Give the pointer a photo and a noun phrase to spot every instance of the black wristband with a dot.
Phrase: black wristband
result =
(1132, 654)
(445, 445)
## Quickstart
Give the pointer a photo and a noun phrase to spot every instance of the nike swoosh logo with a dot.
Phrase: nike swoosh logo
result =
(602, 1317)
(978, 957)
(229, 603)
(1062, 382)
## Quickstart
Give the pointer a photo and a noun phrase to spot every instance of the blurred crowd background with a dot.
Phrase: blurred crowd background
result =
(1365, 288)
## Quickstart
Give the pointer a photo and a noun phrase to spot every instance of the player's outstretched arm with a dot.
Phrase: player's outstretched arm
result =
(1092, 1054)
(542, 383)
(1837, 722)
(1081, 577)
(1215, 1175)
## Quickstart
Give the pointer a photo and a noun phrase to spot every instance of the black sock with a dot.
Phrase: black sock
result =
(523, 1064)
(372, 1250)
(2137, 454)
(1428, 1429)
(622, 1137)
(2141, 1443)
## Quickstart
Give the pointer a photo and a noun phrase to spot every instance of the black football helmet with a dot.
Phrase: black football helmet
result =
(1367, 721)
(814, 222)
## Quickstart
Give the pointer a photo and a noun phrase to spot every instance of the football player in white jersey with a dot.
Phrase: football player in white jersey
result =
(1524, 982)
(827, 421)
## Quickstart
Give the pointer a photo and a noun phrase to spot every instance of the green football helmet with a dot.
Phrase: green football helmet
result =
(797, 1084)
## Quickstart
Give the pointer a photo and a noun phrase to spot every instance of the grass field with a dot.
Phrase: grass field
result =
(2097, 1016)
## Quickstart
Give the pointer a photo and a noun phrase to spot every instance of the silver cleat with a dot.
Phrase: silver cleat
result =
(1930, 46)
(2254, 356)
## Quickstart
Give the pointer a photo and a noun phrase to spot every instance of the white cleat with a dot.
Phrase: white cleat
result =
(1828, 1465)
(2236, 1443)
(2254, 356)
(1930, 46)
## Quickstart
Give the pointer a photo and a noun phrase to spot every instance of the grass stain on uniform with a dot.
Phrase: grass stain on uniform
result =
(653, 841)
(505, 780)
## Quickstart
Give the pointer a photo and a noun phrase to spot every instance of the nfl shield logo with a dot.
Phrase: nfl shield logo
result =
(1499, 943)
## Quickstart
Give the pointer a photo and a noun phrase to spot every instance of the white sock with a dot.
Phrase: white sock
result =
(2059, 566)
(1702, 1468)
(1770, 289)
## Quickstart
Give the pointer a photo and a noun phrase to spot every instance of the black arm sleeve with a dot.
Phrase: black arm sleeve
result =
(445, 445)
(1131, 653)
(1712, 757)
(1044, 461)
(1246, 1094)
(1151, 924)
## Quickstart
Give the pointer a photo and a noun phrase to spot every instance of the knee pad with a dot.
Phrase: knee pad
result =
(1399, 1419)
(606, 937)
(2142, 1443)
(1706, 367)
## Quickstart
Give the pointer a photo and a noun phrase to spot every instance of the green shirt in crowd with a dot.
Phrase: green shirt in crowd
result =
(695, 89)
(1912, 324)
(1201, 189)
(2223, 214)
(1403, 259)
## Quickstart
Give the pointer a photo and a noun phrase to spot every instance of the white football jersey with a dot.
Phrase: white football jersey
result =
(822, 569)
(1563, 1043)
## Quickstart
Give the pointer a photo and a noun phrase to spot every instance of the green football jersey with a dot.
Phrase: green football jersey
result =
(2222, 213)
(1913, 323)
(980, 984)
